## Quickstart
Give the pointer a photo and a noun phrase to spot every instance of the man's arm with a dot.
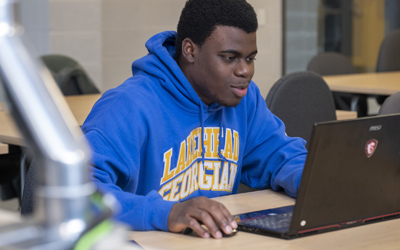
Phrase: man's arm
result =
(272, 159)
(111, 174)
(150, 211)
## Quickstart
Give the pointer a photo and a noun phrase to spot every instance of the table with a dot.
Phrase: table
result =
(345, 114)
(381, 235)
(383, 83)
(9, 217)
(3, 148)
(81, 106)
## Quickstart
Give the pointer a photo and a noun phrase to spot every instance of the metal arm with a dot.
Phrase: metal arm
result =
(63, 208)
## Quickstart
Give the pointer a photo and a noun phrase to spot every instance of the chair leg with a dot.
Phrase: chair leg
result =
(23, 172)
(354, 102)
(359, 104)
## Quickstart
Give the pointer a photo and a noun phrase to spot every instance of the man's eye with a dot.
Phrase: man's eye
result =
(229, 58)
(251, 59)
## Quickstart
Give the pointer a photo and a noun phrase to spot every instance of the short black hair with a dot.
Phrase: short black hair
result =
(199, 18)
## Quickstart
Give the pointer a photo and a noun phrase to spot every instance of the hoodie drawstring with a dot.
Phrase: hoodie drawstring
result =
(202, 130)
(221, 138)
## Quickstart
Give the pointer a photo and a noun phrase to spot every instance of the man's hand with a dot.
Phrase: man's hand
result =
(212, 214)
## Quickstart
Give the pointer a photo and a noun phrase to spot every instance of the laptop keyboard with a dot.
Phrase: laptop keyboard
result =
(274, 221)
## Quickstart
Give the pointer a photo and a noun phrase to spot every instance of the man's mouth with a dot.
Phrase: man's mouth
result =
(240, 91)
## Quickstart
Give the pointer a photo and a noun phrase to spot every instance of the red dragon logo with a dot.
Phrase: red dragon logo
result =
(370, 147)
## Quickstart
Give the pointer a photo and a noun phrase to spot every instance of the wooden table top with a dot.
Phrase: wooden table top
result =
(382, 235)
(345, 114)
(80, 106)
(384, 83)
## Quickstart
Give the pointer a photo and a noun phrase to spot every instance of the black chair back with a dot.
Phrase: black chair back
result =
(389, 57)
(389, 53)
(70, 76)
(301, 99)
(331, 63)
(391, 105)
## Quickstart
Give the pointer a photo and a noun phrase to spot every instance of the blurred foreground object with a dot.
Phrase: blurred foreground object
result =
(70, 213)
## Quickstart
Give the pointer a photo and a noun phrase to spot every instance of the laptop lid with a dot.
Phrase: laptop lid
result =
(351, 175)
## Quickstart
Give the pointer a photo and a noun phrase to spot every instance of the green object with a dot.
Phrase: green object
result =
(88, 240)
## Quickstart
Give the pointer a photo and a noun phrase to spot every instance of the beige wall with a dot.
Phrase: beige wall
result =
(105, 36)
(269, 42)
(69, 27)
(126, 26)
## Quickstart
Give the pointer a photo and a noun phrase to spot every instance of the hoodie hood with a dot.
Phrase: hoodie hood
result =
(160, 63)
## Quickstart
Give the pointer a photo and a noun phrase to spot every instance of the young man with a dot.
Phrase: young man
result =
(190, 124)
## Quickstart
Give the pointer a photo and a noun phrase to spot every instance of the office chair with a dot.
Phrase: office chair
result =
(299, 99)
(391, 105)
(389, 57)
(332, 63)
(70, 76)
(10, 169)
(27, 199)
(72, 80)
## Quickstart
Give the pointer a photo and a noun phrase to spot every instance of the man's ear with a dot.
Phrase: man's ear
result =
(188, 50)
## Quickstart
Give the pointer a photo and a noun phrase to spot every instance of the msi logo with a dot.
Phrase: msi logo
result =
(375, 128)
(370, 147)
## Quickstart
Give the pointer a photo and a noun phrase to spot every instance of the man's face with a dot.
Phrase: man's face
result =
(224, 65)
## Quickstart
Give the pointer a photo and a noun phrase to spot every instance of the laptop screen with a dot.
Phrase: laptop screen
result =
(352, 172)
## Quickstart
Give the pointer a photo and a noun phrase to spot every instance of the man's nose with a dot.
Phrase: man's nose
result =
(243, 69)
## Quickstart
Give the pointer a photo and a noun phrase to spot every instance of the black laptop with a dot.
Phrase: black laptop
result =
(351, 178)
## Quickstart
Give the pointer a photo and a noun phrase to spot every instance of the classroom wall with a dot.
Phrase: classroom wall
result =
(69, 27)
(105, 36)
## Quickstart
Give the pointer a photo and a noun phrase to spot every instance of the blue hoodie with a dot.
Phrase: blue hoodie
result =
(148, 151)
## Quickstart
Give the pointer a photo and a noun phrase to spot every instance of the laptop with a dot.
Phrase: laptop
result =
(351, 177)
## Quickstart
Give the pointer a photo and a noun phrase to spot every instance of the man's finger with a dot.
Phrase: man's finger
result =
(196, 227)
(229, 217)
(206, 218)
(199, 210)
(221, 216)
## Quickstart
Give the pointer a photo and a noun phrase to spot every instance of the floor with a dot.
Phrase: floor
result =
(11, 205)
